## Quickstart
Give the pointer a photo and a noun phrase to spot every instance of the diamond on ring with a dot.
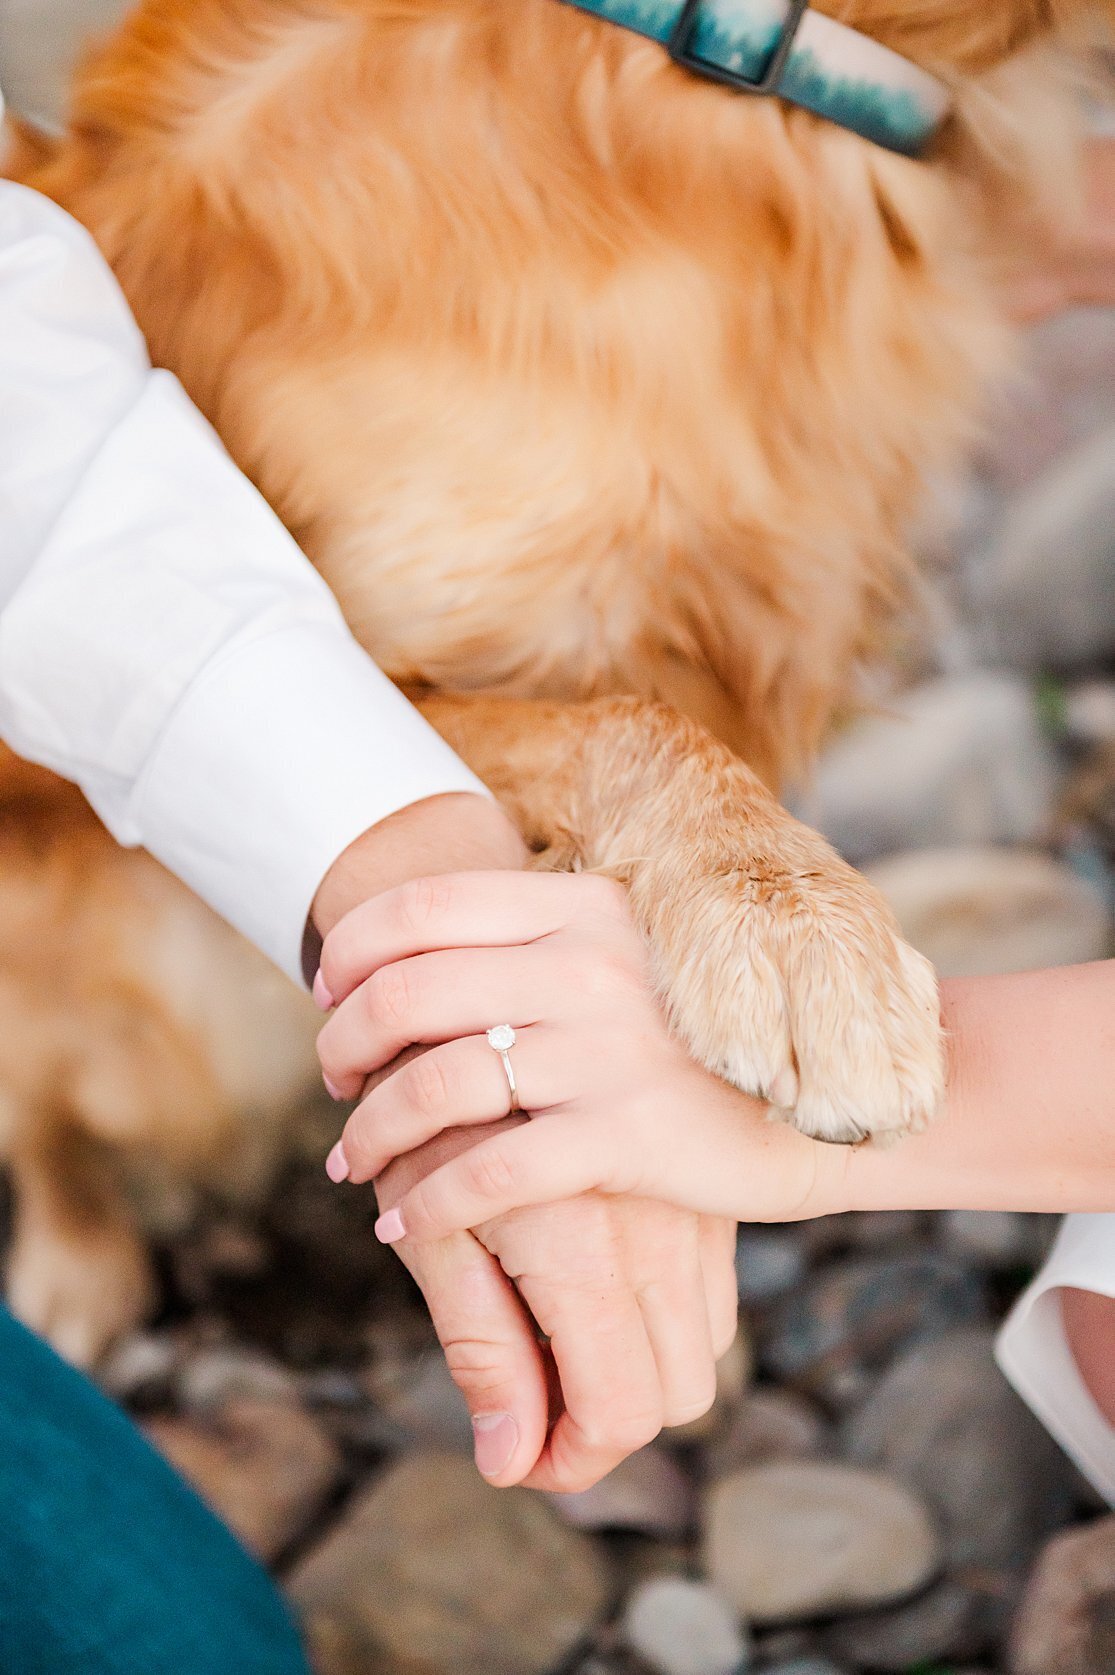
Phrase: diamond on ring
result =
(501, 1038)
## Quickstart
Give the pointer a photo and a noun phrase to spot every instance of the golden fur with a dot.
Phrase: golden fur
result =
(602, 398)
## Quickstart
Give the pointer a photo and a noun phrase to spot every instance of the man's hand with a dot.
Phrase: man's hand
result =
(638, 1301)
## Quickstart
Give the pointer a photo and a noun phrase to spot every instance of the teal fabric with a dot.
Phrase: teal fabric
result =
(740, 36)
(109, 1564)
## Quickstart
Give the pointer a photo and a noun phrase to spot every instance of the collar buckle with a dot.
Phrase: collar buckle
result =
(679, 48)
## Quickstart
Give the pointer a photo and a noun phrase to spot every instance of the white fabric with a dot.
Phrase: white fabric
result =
(163, 641)
(1035, 1356)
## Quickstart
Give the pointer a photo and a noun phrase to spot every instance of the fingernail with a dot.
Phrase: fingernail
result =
(321, 994)
(331, 1088)
(336, 1164)
(390, 1227)
(496, 1437)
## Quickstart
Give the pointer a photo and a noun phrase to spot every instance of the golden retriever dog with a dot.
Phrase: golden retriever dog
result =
(603, 397)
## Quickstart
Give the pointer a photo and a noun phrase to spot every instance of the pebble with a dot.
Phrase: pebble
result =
(265, 1467)
(852, 1316)
(1090, 712)
(139, 1369)
(803, 1666)
(945, 1420)
(220, 1373)
(733, 1375)
(770, 1425)
(417, 1393)
(432, 1570)
(1066, 1622)
(958, 760)
(999, 1239)
(793, 1539)
(1061, 526)
(648, 1492)
(946, 1619)
(769, 1263)
(681, 1627)
(973, 910)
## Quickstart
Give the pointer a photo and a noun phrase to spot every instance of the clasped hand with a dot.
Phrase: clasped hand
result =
(639, 1156)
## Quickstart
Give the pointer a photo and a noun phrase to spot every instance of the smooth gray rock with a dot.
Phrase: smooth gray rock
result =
(854, 1315)
(769, 1262)
(770, 1425)
(265, 1467)
(432, 1570)
(944, 1419)
(941, 1623)
(648, 1491)
(416, 1392)
(1043, 587)
(1090, 712)
(220, 1373)
(1066, 1622)
(974, 910)
(680, 1627)
(998, 1238)
(794, 1539)
(802, 1667)
(960, 759)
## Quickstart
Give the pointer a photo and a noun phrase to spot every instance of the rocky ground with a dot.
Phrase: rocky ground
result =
(868, 1494)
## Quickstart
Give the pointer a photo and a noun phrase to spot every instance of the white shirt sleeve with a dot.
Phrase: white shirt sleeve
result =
(1035, 1356)
(163, 641)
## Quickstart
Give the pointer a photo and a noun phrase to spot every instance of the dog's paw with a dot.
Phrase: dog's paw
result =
(80, 1292)
(787, 975)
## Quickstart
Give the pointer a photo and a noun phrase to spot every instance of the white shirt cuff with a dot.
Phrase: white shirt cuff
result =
(284, 749)
(1033, 1352)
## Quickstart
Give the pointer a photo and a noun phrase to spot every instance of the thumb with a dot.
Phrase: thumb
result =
(492, 1350)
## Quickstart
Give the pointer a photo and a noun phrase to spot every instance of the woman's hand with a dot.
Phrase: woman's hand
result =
(617, 1103)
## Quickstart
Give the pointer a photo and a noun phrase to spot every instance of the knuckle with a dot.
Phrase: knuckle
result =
(389, 994)
(426, 1085)
(694, 1404)
(489, 1172)
(605, 895)
(479, 1369)
(626, 1433)
(421, 901)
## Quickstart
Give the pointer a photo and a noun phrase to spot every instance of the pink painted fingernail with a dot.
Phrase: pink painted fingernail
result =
(322, 997)
(331, 1088)
(390, 1227)
(495, 1439)
(336, 1164)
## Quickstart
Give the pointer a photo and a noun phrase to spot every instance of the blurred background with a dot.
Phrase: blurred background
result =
(867, 1494)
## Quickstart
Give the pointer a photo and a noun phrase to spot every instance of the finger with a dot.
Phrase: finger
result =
(540, 1162)
(456, 1085)
(718, 1264)
(457, 910)
(671, 1297)
(577, 1291)
(492, 1351)
(434, 998)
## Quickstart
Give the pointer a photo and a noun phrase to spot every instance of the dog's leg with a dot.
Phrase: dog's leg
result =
(782, 969)
(78, 1273)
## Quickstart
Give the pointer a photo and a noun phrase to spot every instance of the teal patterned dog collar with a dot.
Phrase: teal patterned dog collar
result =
(782, 47)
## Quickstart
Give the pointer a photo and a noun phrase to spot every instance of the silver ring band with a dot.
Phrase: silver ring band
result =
(501, 1039)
